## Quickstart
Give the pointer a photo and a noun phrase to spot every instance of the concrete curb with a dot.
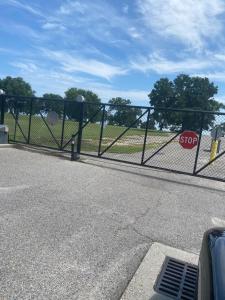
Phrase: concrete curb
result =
(141, 285)
(3, 146)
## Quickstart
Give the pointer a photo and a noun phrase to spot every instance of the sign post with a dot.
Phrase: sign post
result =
(188, 139)
(214, 149)
(216, 135)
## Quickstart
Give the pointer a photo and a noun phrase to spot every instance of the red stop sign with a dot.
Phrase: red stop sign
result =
(188, 139)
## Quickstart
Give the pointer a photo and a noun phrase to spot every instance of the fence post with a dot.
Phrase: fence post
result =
(101, 132)
(199, 142)
(79, 137)
(2, 97)
(30, 117)
(145, 138)
(72, 148)
(16, 120)
(63, 124)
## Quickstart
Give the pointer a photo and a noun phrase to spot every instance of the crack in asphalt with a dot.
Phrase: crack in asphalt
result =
(142, 215)
(132, 225)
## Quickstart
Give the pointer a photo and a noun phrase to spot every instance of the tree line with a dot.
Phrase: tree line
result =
(184, 92)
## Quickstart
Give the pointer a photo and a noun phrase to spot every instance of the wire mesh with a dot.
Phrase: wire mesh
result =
(165, 151)
(217, 168)
(93, 114)
(17, 118)
(46, 123)
(123, 134)
(71, 123)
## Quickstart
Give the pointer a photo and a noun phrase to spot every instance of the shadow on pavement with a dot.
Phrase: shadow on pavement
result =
(118, 167)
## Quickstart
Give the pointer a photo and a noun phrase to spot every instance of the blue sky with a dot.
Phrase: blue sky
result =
(115, 48)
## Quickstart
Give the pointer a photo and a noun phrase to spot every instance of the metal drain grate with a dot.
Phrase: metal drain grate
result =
(177, 280)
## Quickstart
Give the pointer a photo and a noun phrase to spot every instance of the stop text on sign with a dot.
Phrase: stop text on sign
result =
(188, 139)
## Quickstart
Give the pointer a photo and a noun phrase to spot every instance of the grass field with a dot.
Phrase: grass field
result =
(131, 141)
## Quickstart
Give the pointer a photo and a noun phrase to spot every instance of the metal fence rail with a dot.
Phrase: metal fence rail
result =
(137, 135)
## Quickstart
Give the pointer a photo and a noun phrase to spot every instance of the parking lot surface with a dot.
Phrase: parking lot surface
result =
(79, 230)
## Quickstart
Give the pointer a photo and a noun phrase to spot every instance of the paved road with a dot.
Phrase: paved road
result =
(79, 230)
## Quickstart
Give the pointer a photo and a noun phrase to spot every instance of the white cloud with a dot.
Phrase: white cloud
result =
(191, 22)
(136, 96)
(51, 80)
(216, 76)
(99, 19)
(25, 7)
(45, 79)
(53, 26)
(25, 66)
(220, 57)
(75, 63)
(70, 6)
(161, 65)
(134, 33)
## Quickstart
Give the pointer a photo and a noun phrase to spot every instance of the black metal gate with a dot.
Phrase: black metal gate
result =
(132, 134)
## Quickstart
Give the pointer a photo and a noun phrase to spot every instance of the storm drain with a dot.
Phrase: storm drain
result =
(177, 280)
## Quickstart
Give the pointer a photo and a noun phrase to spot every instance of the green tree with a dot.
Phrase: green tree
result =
(48, 102)
(92, 106)
(120, 113)
(52, 96)
(53, 102)
(184, 92)
(151, 124)
(16, 87)
(162, 95)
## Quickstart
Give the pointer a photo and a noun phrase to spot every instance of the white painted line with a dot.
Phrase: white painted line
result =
(141, 285)
(9, 189)
(218, 222)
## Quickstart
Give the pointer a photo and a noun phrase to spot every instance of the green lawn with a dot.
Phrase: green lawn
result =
(131, 142)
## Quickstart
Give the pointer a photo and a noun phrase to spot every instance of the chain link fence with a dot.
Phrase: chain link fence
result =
(133, 134)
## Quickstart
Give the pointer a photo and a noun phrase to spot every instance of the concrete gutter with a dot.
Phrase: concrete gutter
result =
(141, 285)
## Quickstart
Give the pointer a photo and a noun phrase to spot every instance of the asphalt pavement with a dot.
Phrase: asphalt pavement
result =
(79, 230)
